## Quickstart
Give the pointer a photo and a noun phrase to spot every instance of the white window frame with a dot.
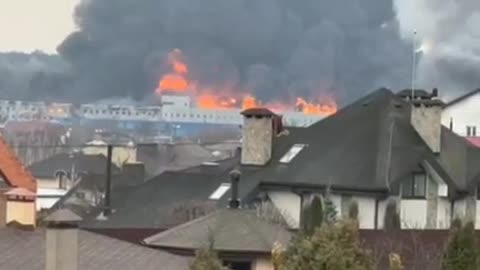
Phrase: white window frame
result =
(292, 152)
(220, 191)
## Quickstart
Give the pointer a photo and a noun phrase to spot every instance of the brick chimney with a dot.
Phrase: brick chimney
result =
(20, 206)
(62, 240)
(425, 117)
(258, 132)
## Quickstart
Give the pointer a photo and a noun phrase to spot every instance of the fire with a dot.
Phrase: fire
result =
(249, 102)
(173, 82)
(177, 81)
(316, 109)
(213, 102)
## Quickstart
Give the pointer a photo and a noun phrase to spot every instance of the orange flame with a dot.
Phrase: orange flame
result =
(177, 81)
(249, 102)
(316, 109)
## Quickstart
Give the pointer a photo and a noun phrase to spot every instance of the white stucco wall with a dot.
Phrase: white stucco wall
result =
(366, 212)
(443, 214)
(413, 214)
(263, 264)
(382, 205)
(477, 215)
(289, 204)
(459, 208)
(464, 113)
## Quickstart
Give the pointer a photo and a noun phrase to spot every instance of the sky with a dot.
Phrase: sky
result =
(29, 25)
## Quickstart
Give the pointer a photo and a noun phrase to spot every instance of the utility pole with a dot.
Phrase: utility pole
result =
(108, 183)
(414, 62)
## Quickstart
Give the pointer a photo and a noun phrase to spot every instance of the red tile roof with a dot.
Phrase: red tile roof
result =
(474, 141)
(13, 171)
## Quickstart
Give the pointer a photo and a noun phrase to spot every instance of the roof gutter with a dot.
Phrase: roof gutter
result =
(302, 187)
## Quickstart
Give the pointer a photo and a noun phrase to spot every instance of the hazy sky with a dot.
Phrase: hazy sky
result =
(28, 25)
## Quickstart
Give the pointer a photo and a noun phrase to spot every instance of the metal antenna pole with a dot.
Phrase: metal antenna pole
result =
(414, 64)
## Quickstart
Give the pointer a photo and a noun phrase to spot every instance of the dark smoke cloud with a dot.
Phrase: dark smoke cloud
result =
(33, 76)
(276, 48)
(449, 31)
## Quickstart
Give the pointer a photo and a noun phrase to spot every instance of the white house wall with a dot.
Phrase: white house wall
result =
(477, 215)
(464, 113)
(289, 205)
(459, 208)
(443, 213)
(366, 212)
(413, 214)
(382, 205)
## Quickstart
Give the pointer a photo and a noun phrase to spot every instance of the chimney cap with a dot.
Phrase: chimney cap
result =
(264, 112)
(63, 216)
(235, 174)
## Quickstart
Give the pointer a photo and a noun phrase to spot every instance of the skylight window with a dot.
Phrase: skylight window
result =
(292, 153)
(220, 191)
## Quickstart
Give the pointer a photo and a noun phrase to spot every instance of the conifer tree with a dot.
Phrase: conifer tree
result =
(334, 246)
(206, 259)
(313, 216)
(462, 249)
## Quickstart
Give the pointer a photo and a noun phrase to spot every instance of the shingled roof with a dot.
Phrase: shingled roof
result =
(349, 150)
(13, 171)
(157, 203)
(26, 251)
(91, 164)
(229, 230)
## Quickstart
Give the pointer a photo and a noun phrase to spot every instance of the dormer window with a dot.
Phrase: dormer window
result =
(415, 187)
(292, 153)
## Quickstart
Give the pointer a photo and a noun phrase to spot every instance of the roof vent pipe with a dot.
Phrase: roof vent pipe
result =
(234, 202)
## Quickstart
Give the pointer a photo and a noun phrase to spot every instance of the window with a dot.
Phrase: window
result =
(471, 131)
(220, 191)
(292, 153)
(415, 187)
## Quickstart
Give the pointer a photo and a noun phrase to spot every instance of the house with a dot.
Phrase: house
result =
(61, 245)
(461, 114)
(164, 201)
(384, 149)
(18, 189)
(121, 154)
(56, 175)
(93, 195)
(244, 238)
(26, 137)
(160, 157)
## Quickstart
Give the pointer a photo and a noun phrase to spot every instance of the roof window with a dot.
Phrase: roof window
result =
(220, 191)
(292, 153)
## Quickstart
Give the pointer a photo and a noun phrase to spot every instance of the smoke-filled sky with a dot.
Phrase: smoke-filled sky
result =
(276, 49)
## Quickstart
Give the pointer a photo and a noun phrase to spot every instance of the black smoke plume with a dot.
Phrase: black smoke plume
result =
(277, 49)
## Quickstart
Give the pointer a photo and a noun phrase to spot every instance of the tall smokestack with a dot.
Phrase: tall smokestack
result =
(62, 240)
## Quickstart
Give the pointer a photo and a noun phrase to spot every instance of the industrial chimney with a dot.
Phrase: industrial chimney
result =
(62, 240)
(258, 132)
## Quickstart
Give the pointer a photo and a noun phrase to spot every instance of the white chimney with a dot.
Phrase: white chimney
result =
(258, 132)
(62, 240)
